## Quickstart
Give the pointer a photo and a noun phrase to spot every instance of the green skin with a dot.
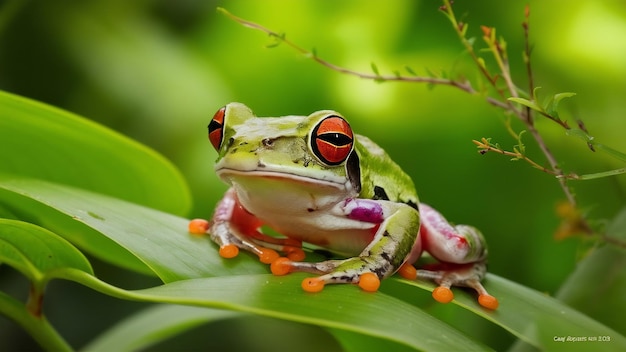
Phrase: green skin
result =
(310, 179)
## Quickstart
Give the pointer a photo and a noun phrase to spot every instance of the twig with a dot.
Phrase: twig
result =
(526, 56)
(485, 146)
(462, 85)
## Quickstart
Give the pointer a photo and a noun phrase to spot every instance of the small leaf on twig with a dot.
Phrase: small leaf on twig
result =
(375, 69)
(527, 103)
(552, 106)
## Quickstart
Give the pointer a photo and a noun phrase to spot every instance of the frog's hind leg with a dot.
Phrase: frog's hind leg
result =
(291, 247)
(462, 253)
(467, 275)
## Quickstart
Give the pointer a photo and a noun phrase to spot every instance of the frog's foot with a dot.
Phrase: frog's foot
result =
(352, 270)
(290, 247)
(448, 275)
(230, 241)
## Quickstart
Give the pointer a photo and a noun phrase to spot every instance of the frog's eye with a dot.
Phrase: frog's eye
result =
(332, 140)
(216, 128)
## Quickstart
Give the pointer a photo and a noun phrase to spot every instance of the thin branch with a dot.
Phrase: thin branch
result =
(554, 165)
(526, 55)
(485, 146)
(462, 85)
(460, 29)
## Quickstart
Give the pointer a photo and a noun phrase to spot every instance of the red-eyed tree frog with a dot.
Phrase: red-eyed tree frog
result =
(313, 180)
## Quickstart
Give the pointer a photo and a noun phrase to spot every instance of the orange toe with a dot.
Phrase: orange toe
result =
(488, 301)
(443, 294)
(296, 254)
(281, 266)
(408, 271)
(369, 282)
(198, 226)
(228, 251)
(313, 284)
(267, 256)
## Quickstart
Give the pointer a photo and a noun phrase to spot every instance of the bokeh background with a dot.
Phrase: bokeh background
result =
(157, 70)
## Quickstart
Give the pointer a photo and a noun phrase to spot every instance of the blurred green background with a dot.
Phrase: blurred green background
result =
(157, 70)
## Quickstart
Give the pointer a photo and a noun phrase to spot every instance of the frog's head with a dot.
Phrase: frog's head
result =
(317, 149)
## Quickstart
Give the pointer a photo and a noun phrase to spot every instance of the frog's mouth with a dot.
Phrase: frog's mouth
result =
(271, 194)
(266, 176)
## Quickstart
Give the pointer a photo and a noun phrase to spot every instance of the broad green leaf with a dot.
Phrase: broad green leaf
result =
(26, 207)
(154, 325)
(161, 241)
(40, 141)
(38, 254)
(343, 307)
(532, 316)
(598, 284)
(122, 233)
(35, 251)
(351, 341)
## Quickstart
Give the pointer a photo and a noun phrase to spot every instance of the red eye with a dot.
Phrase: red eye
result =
(332, 140)
(216, 128)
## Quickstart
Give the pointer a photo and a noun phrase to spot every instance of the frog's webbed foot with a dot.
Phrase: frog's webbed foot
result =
(448, 275)
(352, 270)
(231, 240)
(461, 251)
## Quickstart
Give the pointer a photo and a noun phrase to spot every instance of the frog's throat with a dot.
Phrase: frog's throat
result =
(336, 182)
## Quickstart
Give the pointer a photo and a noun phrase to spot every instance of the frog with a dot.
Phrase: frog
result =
(318, 184)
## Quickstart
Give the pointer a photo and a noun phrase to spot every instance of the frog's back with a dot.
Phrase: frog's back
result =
(381, 178)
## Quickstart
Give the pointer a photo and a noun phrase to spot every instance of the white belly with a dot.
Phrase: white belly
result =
(305, 211)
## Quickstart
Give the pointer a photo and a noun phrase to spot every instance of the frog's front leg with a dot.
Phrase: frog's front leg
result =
(233, 228)
(395, 235)
(462, 252)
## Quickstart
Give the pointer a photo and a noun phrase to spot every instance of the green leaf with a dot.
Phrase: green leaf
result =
(553, 105)
(532, 316)
(161, 241)
(375, 69)
(351, 341)
(597, 285)
(154, 325)
(343, 307)
(38, 254)
(126, 234)
(35, 251)
(40, 141)
(578, 133)
(463, 30)
(601, 174)
(526, 102)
